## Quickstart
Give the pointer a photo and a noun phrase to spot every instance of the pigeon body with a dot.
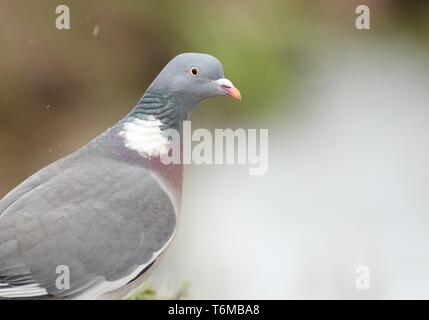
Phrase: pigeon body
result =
(108, 211)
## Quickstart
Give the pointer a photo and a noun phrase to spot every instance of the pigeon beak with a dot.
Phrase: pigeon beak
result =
(229, 88)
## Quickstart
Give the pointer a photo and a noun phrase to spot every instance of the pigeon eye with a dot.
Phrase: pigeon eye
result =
(194, 71)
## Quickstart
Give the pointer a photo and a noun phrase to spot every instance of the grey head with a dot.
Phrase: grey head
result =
(185, 81)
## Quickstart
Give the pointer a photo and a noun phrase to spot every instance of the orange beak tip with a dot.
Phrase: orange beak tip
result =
(235, 93)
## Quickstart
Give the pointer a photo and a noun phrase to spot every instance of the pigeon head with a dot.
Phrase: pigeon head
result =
(186, 80)
(190, 78)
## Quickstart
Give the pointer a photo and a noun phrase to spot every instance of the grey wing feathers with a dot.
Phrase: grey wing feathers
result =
(32, 182)
(101, 218)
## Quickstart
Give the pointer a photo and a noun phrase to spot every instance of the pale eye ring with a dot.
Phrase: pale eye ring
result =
(194, 71)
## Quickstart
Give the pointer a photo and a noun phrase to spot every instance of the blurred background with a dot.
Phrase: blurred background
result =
(347, 112)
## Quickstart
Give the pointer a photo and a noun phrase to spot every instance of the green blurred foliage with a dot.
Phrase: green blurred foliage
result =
(148, 292)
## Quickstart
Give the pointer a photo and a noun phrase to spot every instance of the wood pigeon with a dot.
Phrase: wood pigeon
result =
(104, 214)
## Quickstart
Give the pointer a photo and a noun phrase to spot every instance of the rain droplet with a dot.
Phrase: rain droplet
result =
(96, 31)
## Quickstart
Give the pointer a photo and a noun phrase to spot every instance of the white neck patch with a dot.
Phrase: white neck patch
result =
(145, 137)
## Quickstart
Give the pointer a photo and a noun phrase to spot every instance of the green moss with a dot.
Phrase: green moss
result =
(148, 292)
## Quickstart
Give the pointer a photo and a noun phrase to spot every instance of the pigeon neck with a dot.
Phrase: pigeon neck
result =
(163, 108)
(148, 128)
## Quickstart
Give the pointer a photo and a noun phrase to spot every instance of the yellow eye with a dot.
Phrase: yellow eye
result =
(194, 71)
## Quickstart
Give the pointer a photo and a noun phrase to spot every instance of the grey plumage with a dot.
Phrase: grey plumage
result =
(106, 211)
(102, 233)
